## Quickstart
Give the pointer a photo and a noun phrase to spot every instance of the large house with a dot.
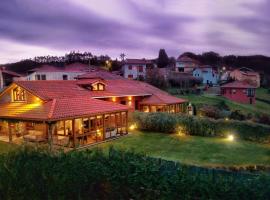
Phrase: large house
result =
(77, 112)
(186, 64)
(135, 68)
(7, 77)
(67, 72)
(207, 73)
(246, 74)
(239, 91)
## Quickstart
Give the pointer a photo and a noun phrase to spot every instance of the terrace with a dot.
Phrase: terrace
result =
(69, 133)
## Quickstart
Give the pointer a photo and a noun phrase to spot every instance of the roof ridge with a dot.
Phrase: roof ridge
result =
(52, 109)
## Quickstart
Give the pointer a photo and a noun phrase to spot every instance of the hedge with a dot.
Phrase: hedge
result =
(38, 174)
(201, 126)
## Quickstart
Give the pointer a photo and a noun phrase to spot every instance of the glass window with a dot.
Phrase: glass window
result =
(98, 87)
(60, 128)
(68, 127)
(19, 94)
(86, 125)
(78, 126)
(65, 77)
(43, 77)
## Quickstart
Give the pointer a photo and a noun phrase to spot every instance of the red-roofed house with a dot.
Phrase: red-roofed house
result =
(186, 64)
(135, 68)
(77, 112)
(246, 74)
(239, 91)
(67, 72)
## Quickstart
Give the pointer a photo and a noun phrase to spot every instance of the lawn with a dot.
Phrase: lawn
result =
(6, 147)
(259, 108)
(202, 151)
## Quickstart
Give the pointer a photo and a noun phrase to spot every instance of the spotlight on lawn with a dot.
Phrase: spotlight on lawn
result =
(132, 127)
(180, 131)
(226, 119)
(230, 137)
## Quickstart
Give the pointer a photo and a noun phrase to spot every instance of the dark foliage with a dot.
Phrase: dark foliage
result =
(237, 115)
(38, 174)
(163, 59)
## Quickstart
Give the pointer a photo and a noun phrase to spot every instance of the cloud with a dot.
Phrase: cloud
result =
(136, 27)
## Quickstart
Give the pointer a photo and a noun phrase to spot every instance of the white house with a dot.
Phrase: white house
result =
(185, 64)
(68, 72)
(207, 74)
(135, 68)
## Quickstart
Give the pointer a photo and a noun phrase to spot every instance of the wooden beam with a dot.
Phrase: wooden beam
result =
(74, 133)
(9, 132)
(103, 125)
(126, 122)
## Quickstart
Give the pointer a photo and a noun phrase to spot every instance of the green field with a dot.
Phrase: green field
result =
(201, 151)
(259, 108)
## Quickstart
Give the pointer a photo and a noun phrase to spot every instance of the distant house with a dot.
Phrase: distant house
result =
(7, 77)
(246, 74)
(186, 64)
(239, 91)
(135, 68)
(207, 73)
(67, 72)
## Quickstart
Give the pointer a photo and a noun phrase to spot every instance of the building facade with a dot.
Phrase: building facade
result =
(49, 72)
(246, 74)
(240, 92)
(207, 74)
(135, 68)
(186, 64)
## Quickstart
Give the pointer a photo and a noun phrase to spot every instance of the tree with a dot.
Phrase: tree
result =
(211, 58)
(163, 59)
(122, 56)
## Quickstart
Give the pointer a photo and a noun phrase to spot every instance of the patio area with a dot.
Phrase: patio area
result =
(71, 133)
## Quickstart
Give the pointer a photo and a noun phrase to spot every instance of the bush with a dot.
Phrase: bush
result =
(209, 111)
(202, 126)
(237, 115)
(37, 174)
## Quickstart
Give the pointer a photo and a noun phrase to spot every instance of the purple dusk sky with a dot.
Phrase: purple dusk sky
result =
(139, 28)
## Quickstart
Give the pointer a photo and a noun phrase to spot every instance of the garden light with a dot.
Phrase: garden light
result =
(230, 137)
(132, 127)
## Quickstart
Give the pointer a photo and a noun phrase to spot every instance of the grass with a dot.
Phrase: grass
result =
(259, 108)
(6, 147)
(263, 93)
(194, 150)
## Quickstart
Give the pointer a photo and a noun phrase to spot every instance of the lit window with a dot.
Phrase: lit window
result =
(98, 87)
(19, 95)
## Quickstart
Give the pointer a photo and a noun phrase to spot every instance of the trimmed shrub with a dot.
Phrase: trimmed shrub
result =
(37, 174)
(170, 123)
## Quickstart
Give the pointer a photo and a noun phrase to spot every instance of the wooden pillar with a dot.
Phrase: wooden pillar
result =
(9, 132)
(174, 108)
(121, 123)
(126, 122)
(74, 133)
(103, 125)
(51, 128)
